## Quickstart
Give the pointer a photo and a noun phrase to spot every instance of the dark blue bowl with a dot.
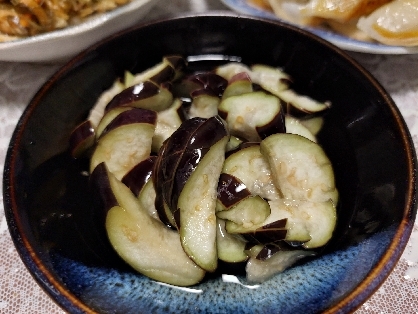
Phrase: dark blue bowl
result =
(49, 209)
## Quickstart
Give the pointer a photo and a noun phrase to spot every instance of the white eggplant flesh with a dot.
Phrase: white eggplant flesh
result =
(312, 223)
(123, 147)
(300, 168)
(197, 203)
(168, 121)
(249, 212)
(230, 248)
(248, 114)
(252, 168)
(145, 243)
(294, 126)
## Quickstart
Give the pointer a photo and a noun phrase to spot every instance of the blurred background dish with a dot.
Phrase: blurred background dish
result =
(64, 43)
(342, 41)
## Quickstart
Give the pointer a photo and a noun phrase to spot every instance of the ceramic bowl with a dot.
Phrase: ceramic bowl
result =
(62, 44)
(49, 208)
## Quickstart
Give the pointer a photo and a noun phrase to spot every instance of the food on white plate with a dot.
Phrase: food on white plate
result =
(391, 22)
(395, 23)
(209, 167)
(24, 18)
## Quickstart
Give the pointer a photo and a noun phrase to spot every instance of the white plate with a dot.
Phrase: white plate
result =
(241, 6)
(62, 44)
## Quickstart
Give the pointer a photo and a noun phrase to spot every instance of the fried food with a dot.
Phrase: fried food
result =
(392, 22)
(23, 18)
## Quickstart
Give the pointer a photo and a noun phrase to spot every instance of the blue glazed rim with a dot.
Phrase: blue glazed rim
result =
(396, 236)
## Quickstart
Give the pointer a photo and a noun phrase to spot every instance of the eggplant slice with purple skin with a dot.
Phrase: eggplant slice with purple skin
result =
(145, 243)
(125, 141)
(204, 103)
(250, 167)
(210, 195)
(188, 172)
(300, 168)
(82, 138)
(145, 95)
(238, 84)
(253, 116)
(168, 70)
(230, 191)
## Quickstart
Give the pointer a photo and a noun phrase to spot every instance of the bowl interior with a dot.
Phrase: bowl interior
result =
(62, 241)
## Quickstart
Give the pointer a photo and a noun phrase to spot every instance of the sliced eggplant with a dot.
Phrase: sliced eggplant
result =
(271, 233)
(181, 154)
(143, 242)
(168, 70)
(294, 126)
(229, 70)
(273, 80)
(230, 248)
(125, 142)
(313, 124)
(168, 121)
(139, 175)
(252, 169)
(301, 104)
(300, 168)
(247, 213)
(253, 116)
(204, 104)
(233, 143)
(312, 221)
(238, 84)
(230, 192)
(98, 110)
(145, 95)
(147, 197)
(197, 214)
(108, 118)
(82, 138)
(206, 80)
(190, 164)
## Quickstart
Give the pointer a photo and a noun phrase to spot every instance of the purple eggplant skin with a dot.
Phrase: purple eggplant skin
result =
(265, 236)
(211, 81)
(137, 93)
(231, 190)
(177, 62)
(101, 191)
(136, 178)
(188, 163)
(277, 125)
(157, 178)
(206, 81)
(270, 233)
(267, 251)
(181, 154)
(81, 139)
(238, 84)
(134, 93)
(134, 115)
(167, 74)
